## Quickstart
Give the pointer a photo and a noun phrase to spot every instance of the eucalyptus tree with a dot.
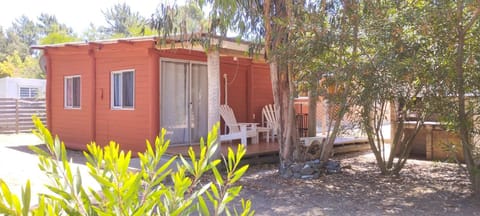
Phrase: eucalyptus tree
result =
(395, 72)
(122, 21)
(10, 42)
(455, 31)
(264, 22)
(191, 18)
(93, 33)
(288, 34)
(272, 24)
(26, 29)
(48, 23)
(324, 45)
(51, 31)
(467, 15)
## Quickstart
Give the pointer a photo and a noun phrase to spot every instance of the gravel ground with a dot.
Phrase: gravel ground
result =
(424, 187)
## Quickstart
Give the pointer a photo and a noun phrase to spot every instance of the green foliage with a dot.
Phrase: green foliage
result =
(16, 58)
(93, 33)
(48, 23)
(26, 29)
(155, 189)
(122, 21)
(15, 66)
(395, 70)
(10, 42)
(58, 35)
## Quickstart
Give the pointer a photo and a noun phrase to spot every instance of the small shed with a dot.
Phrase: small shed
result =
(433, 141)
(128, 89)
(21, 88)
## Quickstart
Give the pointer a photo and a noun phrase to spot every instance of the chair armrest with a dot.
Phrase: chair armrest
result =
(244, 124)
(248, 124)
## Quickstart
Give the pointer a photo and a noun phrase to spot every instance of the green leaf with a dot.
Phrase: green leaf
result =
(217, 175)
(78, 182)
(102, 180)
(64, 195)
(38, 151)
(215, 191)
(232, 192)
(26, 197)
(68, 171)
(16, 204)
(203, 206)
(239, 173)
(187, 165)
(230, 159)
(124, 191)
(6, 192)
(57, 148)
(164, 167)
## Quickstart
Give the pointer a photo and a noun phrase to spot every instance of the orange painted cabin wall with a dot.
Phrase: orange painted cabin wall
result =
(129, 128)
(261, 92)
(73, 125)
(247, 94)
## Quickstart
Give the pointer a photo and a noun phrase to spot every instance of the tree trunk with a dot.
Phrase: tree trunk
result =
(312, 109)
(213, 70)
(352, 17)
(475, 178)
(281, 77)
(462, 116)
(282, 88)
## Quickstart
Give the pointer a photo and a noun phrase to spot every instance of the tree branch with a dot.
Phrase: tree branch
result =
(472, 21)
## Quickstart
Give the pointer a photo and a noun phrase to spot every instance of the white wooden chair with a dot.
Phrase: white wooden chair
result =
(237, 130)
(270, 120)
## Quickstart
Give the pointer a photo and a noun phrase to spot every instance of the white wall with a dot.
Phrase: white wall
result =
(10, 87)
(3, 87)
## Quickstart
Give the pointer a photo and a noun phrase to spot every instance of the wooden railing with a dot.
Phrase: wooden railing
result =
(16, 114)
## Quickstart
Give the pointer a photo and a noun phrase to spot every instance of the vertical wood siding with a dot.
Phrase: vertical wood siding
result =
(249, 90)
(72, 125)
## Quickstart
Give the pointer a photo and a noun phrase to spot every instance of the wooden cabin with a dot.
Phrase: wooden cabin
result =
(126, 90)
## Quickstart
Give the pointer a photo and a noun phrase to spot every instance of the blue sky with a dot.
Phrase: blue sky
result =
(77, 14)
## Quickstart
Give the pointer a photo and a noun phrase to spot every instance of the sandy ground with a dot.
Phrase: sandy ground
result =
(16, 167)
(424, 187)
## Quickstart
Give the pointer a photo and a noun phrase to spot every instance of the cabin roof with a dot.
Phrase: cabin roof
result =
(229, 46)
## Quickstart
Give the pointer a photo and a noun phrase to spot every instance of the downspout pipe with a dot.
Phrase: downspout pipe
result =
(48, 95)
(225, 78)
(93, 126)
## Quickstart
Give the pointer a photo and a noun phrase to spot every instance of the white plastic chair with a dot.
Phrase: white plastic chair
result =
(270, 120)
(237, 130)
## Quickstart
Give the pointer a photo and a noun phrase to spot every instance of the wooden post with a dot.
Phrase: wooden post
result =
(429, 142)
(393, 120)
(17, 122)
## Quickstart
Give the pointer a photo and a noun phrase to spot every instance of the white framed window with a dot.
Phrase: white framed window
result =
(123, 89)
(72, 90)
(28, 92)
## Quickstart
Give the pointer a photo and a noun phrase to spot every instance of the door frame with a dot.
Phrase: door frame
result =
(189, 77)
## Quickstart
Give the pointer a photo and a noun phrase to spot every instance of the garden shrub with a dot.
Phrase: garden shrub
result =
(155, 189)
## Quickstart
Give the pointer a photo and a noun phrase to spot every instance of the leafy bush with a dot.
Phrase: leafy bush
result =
(123, 191)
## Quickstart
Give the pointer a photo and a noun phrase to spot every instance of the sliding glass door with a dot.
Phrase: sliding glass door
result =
(183, 101)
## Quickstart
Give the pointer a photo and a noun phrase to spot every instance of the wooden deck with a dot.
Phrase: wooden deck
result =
(350, 144)
(263, 148)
